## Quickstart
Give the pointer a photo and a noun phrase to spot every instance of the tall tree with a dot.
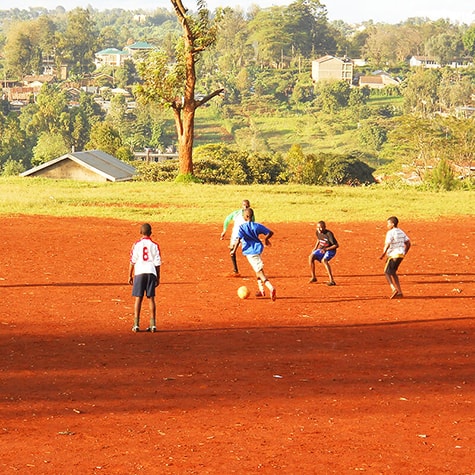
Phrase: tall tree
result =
(173, 84)
(78, 43)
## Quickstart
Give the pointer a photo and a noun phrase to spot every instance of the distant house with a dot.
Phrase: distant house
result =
(377, 80)
(116, 57)
(330, 68)
(110, 57)
(92, 165)
(423, 61)
(38, 80)
(139, 47)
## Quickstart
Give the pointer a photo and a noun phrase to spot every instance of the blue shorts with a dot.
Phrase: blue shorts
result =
(320, 254)
(144, 284)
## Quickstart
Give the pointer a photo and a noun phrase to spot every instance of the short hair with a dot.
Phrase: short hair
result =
(249, 212)
(146, 229)
(246, 203)
(322, 224)
(394, 220)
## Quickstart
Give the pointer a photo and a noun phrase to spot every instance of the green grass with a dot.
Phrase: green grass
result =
(171, 202)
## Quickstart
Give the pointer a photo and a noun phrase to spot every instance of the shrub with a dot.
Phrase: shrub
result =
(156, 171)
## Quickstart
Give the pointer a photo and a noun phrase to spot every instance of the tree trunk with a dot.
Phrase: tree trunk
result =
(184, 122)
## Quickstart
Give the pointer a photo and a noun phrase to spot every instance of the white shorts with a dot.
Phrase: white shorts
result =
(255, 261)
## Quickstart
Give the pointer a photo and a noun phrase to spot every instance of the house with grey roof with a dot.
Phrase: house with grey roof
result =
(91, 165)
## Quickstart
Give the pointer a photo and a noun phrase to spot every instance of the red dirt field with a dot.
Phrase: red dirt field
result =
(324, 380)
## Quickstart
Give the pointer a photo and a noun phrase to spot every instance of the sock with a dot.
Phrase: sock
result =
(269, 285)
(261, 286)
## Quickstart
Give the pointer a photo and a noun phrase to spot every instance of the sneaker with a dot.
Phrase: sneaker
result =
(135, 329)
(151, 329)
(260, 294)
(273, 295)
(394, 294)
(312, 280)
(331, 283)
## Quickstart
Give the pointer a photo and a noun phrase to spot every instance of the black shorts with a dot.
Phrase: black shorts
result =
(392, 265)
(144, 284)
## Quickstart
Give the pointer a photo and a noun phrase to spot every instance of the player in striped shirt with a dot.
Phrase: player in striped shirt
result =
(396, 246)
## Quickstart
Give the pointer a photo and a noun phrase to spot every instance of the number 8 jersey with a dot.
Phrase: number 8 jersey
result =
(145, 256)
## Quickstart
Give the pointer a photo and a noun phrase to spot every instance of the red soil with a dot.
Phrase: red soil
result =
(324, 380)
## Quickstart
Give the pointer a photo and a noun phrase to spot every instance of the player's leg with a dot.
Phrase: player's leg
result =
(261, 276)
(260, 285)
(311, 263)
(137, 310)
(326, 262)
(390, 273)
(153, 311)
(234, 261)
(233, 257)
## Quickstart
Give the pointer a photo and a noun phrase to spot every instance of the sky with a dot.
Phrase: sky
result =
(350, 11)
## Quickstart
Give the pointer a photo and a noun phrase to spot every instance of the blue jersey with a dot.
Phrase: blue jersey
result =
(249, 234)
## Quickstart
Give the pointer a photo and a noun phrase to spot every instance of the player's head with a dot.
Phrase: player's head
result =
(246, 204)
(394, 221)
(248, 214)
(146, 229)
(321, 226)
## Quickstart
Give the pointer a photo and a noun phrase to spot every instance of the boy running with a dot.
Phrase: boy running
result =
(237, 218)
(252, 248)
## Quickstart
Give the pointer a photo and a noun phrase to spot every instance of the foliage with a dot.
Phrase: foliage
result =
(50, 145)
(156, 171)
(340, 170)
(104, 137)
(262, 59)
(12, 168)
(442, 177)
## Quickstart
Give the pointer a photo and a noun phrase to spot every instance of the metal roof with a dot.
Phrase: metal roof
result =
(97, 161)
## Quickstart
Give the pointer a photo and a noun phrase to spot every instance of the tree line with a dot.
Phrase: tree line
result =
(259, 58)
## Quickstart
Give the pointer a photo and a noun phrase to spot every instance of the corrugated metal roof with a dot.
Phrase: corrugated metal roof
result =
(97, 161)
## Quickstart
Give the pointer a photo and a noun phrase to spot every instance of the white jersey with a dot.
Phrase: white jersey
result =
(238, 220)
(145, 256)
(396, 238)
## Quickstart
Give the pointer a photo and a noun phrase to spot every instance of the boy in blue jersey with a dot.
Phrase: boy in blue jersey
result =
(252, 248)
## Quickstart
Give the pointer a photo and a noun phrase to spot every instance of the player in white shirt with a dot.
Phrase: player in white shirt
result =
(396, 246)
(237, 218)
(144, 275)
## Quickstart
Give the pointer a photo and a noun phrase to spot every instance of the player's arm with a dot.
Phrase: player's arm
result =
(157, 269)
(131, 273)
(333, 243)
(267, 237)
(385, 250)
(235, 246)
(227, 220)
(407, 246)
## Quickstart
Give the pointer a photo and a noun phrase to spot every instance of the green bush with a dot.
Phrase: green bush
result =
(442, 177)
(156, 171)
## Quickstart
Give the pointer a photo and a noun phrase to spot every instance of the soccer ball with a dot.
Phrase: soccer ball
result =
(243, 292)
